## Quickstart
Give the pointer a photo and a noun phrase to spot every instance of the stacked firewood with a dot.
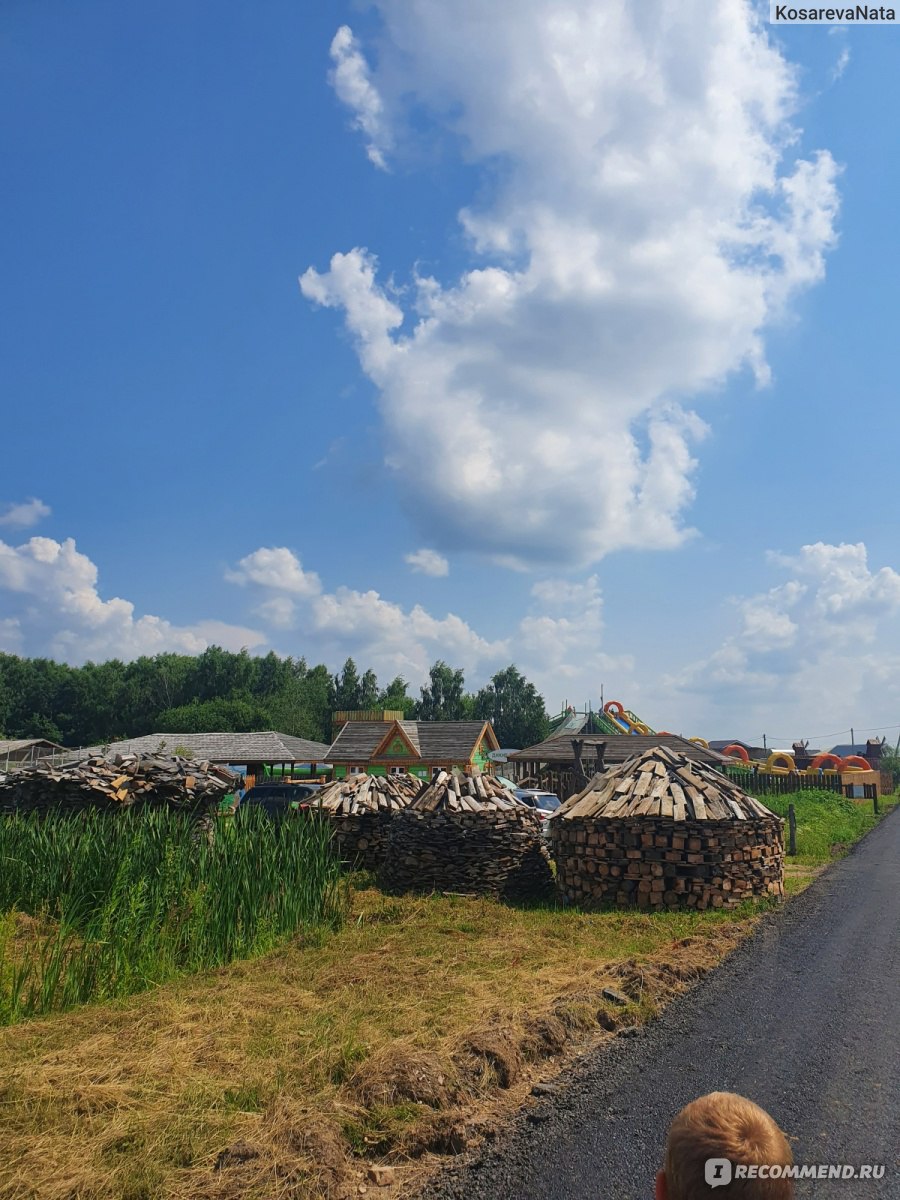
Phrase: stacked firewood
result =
(661, 831)
(116, 784)
(467, 834)
(360, 809)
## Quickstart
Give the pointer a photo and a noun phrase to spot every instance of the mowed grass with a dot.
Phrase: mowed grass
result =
(224, 1084)
(403, 1030)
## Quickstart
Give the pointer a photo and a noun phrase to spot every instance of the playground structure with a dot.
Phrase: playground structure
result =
(613, 718)
(620, 719)
(780, 762)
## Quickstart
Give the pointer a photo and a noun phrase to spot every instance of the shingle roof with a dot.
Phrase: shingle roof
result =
(436, 741)
(240, 748)
(619, 747)
(11, 746)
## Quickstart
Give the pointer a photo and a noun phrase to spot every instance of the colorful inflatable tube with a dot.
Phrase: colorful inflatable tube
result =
(823, 762)
(854, 762)
(737, 752)
(779, 761)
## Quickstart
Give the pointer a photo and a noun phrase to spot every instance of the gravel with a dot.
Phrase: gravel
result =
(801, 1018)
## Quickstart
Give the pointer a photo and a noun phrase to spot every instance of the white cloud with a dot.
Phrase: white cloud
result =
(557, 644)
(53, 607)
(428, 562)
(352, 82)
(390, 639)
(278, 568)
(817, 652)
(24, 515)
(642, 217)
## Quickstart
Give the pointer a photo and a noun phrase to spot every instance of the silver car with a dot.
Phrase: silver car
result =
(544, 804)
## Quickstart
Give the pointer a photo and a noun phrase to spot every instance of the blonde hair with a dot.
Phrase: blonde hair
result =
(724, 1125)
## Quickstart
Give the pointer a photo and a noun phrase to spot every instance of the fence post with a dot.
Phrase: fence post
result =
(875, 800)
(792, 830)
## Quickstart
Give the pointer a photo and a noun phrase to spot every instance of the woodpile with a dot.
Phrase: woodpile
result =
(360, 809)
(467, 834)
(116, 784)
(661, 831)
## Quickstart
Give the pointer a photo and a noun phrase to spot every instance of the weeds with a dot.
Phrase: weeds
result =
(126, 903)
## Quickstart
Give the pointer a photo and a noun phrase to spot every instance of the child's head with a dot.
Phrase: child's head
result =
(723, 1125)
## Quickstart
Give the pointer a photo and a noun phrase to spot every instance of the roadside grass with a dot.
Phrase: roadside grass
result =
(403, 1034)
(827, 824)
(381, 1039)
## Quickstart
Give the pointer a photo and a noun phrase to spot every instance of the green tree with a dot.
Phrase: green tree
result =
(514, 707)
(395, 697)
(211, 716)
(443, 699)
(368, 690)
(347, 687)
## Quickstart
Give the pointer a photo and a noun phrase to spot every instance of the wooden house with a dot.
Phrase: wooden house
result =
(553, 764)
(419, 747)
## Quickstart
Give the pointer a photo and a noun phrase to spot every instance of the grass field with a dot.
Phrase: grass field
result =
(92, 908)
(407, 1032)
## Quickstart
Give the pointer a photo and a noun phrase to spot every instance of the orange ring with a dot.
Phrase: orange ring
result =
(614, 706)
(737, 751)
(854, 760)
(820, 760)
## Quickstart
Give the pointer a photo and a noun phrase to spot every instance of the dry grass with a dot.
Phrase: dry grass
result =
(281, 1077)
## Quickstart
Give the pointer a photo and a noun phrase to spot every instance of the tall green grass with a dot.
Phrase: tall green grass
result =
(824, 819)
(129, 901)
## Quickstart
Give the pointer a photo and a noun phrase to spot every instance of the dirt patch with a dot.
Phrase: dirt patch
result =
(293, 1153)
(544, 1037)
(399, 1073)
(491, 1057)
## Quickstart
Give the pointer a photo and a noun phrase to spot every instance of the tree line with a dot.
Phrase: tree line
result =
(219, 690)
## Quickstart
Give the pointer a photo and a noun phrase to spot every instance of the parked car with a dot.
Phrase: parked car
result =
(544, 804)
(279, 799)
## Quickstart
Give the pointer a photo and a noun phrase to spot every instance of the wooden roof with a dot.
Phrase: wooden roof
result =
(10, 746)
(434, 741)
(619, 747)
(660, 783)
(240, 748)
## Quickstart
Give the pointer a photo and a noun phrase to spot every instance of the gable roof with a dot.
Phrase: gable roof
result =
(240, 748)
(661, 783)
(861, 748)
(10, 746)
(619, 747)
(396, 732)
(434, 741)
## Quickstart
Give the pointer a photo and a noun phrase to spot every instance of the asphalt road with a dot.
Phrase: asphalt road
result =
(802, 1019)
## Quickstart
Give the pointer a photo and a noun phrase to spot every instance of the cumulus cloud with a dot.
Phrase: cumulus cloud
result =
(428, 562)
(24, 515)
(642, 215)
(53, 607)
(352, 82)
(817, 651)
(278, 568)
(389, 638)
(558, 643)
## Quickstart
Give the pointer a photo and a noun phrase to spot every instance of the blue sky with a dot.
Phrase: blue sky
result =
(566, 234)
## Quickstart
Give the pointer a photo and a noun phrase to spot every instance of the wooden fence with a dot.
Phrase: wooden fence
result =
(767, 783)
